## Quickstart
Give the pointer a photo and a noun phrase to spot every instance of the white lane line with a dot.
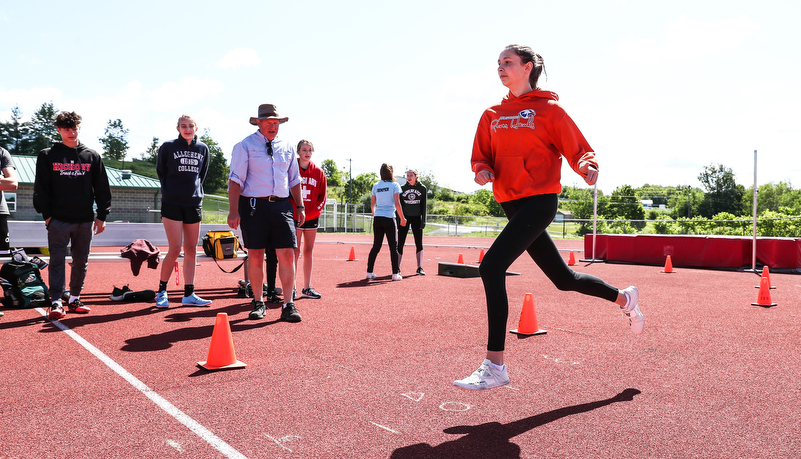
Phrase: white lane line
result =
(162, 403)
(384, 427)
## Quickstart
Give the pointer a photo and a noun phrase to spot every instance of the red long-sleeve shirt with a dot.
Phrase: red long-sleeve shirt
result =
(313, 188)
(522, 141)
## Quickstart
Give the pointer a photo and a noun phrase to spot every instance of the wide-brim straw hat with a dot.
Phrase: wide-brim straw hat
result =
(268, 112)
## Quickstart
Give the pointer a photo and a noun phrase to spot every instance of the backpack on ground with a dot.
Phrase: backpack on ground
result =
(23, 286)
(220, 245)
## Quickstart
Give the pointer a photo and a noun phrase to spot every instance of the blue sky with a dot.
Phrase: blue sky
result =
(659, 89)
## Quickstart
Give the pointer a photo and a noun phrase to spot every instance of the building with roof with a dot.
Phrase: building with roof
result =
(134, 198)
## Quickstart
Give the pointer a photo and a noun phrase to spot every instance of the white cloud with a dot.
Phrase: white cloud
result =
(175, 95)
(686, 39)
(239, 57)
(28, 100)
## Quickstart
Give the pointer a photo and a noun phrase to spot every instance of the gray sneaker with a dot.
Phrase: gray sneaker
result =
(259, 310)
(290, 314)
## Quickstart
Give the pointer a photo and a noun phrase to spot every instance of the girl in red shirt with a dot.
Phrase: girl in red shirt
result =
(313, 189)
(518, 147)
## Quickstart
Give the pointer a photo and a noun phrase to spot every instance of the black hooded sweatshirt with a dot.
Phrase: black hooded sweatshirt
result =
(68, 182)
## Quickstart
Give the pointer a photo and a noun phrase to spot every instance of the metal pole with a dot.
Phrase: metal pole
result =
(754, 245)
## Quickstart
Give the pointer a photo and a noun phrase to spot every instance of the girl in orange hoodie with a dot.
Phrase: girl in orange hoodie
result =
(518, 147)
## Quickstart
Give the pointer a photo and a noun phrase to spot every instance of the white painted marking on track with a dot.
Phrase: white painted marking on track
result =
(455, 406)
(280, 441)
(175, 445)
(384, 427)
(416, 396)
(202, 432)
(557, 360)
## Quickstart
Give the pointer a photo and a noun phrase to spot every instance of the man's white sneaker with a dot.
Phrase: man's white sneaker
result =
(486, 377)
(396, 276)
(632, 310)
(371, 276)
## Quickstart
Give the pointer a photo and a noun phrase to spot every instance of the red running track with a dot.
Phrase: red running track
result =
(369, 371)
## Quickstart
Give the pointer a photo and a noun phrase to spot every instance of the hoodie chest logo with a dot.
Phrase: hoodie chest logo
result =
(71, 168)
(523, 119)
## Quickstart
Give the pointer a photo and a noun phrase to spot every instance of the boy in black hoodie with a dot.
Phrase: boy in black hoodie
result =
(70, 179)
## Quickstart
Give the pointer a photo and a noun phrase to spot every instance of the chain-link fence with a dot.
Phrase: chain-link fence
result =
(357, 218)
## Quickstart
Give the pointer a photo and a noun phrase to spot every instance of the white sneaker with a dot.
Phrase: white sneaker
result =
(371, 276)
(632, 310)
(486, 377)
(396, 276)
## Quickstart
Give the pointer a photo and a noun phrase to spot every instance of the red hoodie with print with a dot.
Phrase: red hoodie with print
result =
(313, 189)
(522, 141)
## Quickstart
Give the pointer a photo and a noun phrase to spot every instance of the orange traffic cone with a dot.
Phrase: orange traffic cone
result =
(528, 319)
(352, 256)
(481, 256)
(571, 261)
(766, 273)
(668, 265)
(221, 352)
(461, 259)
(764, 294)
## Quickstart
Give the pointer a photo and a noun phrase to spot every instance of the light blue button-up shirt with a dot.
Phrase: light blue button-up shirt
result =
(260, 174)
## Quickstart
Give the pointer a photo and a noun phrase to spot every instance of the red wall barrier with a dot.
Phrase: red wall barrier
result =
(695, 251)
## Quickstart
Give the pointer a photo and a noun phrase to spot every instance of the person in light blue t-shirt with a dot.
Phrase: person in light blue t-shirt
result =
(384, 202)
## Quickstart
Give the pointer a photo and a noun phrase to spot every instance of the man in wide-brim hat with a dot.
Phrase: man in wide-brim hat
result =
(268, 112)
(264, 176)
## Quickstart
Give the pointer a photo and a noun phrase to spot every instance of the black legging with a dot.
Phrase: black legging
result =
(416, 223)
(381, 226)
(526, 231)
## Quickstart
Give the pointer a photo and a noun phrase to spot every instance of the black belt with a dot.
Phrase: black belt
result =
(272, 198)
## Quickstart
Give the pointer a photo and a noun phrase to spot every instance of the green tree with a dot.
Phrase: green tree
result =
(363, 185)
(580, 203)
(152, 153)
(14, 134)
(217, 177)
(722, 193)
(41, 131)
(333, 176)
(430, 182)
(685, 202)
(484, 197)
(624, 204)
(115, 142)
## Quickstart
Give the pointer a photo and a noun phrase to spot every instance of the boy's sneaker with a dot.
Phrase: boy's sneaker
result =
(289, 313)
(486, 377)
(396, 276)
(310, 293)
(195, 300)
(77, 306)
(56, 312)
(259, 310)
(118, 294)
(272, 296)
(371, 276)
(420, 271)
(632, 310)
(161, 300)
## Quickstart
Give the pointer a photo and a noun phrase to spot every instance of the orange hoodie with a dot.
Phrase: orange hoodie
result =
(522, 141)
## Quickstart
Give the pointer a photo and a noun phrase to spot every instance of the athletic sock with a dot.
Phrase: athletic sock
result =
(189, 289)
(162, 286)
(628, 301)
(497, 367)
(73, 298)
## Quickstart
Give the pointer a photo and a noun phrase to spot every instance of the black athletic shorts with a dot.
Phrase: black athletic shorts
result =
(267, 224)
(309, 224)
(181, 213)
